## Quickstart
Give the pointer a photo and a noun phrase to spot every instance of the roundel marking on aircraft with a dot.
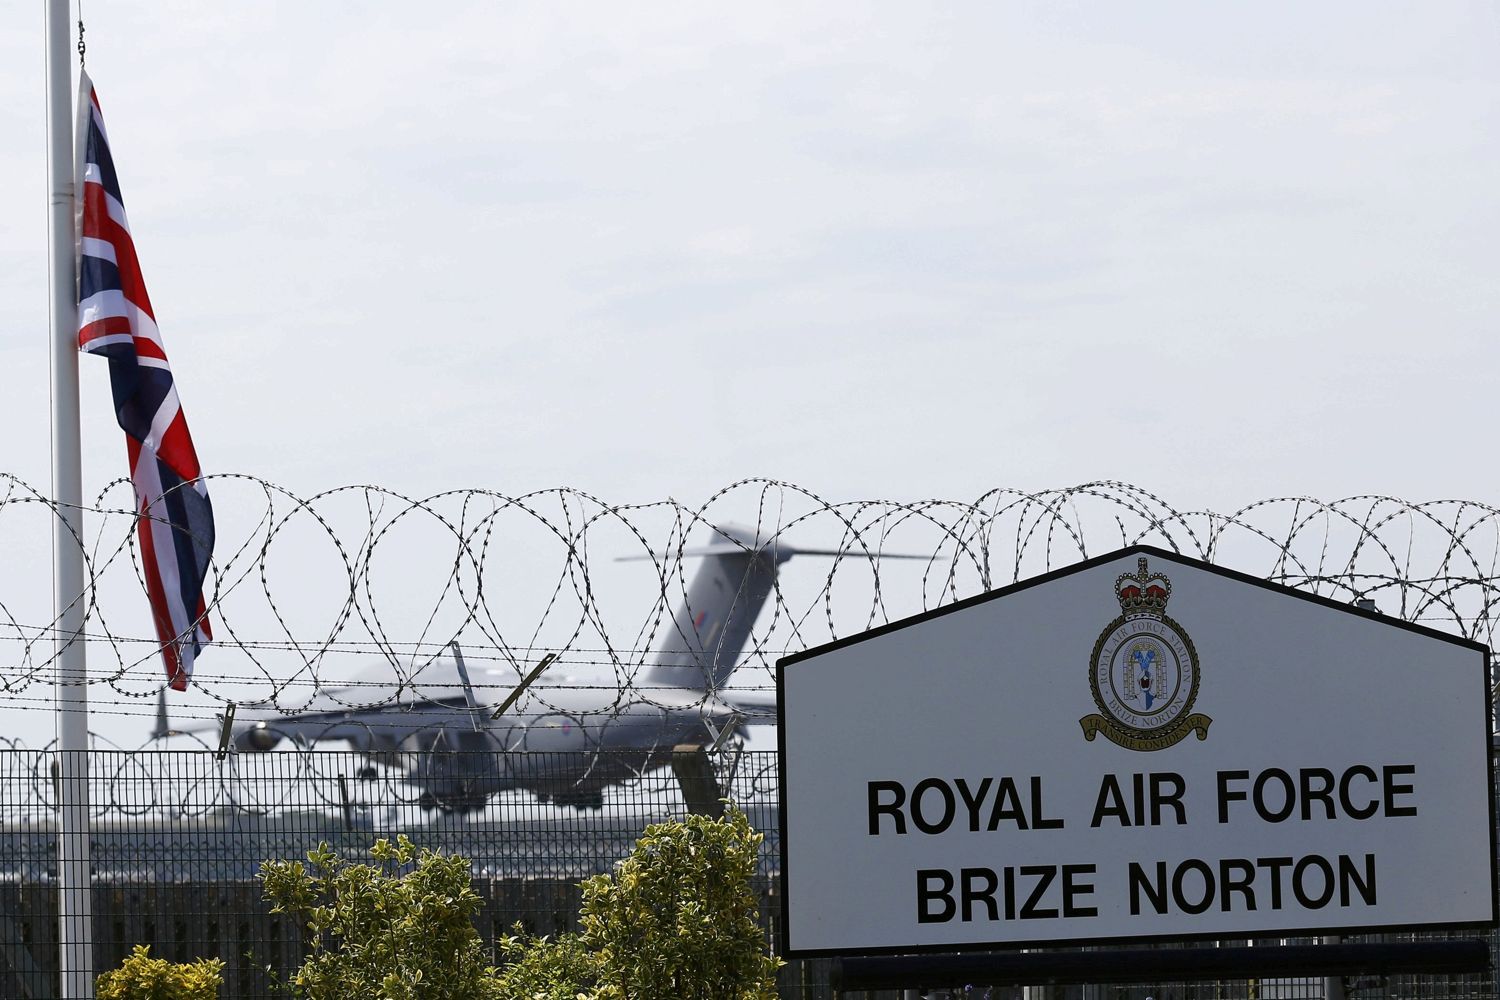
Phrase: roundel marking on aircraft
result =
(553, 732)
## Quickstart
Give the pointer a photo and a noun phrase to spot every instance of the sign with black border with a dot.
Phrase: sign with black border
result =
(1139, 747)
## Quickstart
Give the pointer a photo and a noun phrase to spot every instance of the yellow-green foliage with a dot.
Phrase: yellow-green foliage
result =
(376, 934)
(141, 977)
(542, 968)
(676, 920)
(677, 917)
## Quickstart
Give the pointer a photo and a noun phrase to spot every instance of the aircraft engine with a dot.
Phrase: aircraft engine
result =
(259, 738)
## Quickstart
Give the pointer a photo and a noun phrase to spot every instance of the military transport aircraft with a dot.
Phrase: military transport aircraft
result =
(579, 739)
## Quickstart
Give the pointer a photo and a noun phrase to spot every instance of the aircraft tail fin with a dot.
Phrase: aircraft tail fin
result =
(703, 643)
(162, 729)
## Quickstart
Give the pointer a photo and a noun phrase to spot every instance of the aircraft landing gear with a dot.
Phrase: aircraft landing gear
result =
(579, 800)
(459, 803)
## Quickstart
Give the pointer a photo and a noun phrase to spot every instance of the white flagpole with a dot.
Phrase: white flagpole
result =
(75, 937)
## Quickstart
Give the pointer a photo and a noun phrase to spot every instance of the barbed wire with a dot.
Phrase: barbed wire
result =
(355, 596)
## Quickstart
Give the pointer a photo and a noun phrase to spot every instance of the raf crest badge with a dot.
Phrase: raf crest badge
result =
(1144, 671)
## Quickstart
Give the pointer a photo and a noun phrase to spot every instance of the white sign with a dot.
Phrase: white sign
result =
(1139, 746)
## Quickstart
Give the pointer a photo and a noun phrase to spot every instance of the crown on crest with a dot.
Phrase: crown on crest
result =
(1143, 593)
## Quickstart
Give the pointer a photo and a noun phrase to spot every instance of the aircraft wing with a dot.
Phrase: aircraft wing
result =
(756, 708)
(327, 718)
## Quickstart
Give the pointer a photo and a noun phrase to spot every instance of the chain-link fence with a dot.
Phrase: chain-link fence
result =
(177, 838)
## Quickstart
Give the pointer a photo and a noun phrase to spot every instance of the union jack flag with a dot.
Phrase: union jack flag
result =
(174, 521)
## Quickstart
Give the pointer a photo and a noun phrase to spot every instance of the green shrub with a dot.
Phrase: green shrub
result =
(141, 977)
(676, 920)
(376, 934)
(541, 968)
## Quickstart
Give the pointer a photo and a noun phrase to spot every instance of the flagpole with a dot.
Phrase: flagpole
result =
(74, 911)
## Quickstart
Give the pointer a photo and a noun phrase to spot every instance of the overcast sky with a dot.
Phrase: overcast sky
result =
(1224, 251)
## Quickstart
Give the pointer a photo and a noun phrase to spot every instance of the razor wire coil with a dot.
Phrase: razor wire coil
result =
(396, 580)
